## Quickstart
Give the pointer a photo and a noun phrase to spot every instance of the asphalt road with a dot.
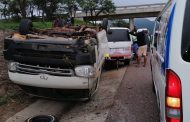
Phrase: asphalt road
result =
(135, 100)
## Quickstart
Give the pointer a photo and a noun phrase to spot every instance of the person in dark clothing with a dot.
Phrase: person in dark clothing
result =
(142, 50)
(142, 46)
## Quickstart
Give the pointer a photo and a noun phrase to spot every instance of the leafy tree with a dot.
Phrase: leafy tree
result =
(48, 7)
(71, 7)
(96, 7)
(4, 8)
(15, 8)
(106, 7)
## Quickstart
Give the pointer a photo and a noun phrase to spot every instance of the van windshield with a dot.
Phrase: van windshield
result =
(185, 47)
(116, 35)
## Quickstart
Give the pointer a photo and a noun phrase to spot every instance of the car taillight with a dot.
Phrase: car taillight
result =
(173, 97)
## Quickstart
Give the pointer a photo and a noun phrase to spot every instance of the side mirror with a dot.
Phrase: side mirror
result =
(109, 31)
(105, 23)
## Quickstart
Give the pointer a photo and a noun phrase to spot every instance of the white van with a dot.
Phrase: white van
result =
(119, 44)
(60, 66)
(170, 61)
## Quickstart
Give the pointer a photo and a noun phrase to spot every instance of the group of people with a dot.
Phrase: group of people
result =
(141, 45)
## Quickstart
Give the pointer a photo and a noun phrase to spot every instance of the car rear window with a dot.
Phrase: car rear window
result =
(185, 47)
(116, 35)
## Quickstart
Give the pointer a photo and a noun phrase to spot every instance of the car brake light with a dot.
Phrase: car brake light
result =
(173, 97)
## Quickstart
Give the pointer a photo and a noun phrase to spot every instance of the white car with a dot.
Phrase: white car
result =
(119, 44)
(170, 61)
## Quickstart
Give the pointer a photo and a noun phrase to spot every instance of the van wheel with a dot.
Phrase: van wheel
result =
(42, 118)
(153, 86)
(25, 26)
(127, 62)
(89, 97)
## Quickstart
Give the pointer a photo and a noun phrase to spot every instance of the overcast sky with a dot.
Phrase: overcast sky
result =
(136, 2)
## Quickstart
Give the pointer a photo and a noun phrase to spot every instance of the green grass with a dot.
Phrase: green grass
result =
(8, 25)
(41, 25)
(14, 25)
(17, 96)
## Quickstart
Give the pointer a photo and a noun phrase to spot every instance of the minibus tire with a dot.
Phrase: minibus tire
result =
(42, 118)
(25, 26)
(153, 86)
(127, 62)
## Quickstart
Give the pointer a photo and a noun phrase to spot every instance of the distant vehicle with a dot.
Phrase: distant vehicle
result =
(119, 44)
(170, 61)
(58, 62)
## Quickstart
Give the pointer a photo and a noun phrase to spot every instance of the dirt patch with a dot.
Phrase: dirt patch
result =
(13, 101)
(12, 98)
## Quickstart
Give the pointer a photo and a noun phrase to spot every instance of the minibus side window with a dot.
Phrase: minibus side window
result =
(156, 34)
(160, 31)
(185, 47)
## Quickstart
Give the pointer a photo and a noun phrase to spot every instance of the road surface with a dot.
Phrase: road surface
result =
(135, 100)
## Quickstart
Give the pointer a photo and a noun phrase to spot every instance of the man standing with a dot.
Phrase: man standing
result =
(142, 45)
(142, 50)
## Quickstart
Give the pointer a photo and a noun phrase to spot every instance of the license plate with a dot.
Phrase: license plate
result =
(118, 50)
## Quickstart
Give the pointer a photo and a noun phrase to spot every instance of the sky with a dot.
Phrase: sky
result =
(136, 2)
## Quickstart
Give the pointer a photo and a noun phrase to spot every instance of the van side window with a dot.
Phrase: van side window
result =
(156, 34)
(160, 31)
(185, 46)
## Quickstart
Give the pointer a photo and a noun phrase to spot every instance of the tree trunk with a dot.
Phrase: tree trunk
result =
(22, 5)
(4, 11)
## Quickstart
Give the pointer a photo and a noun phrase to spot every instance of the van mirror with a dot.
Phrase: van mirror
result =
(105, 23)
(109, 32)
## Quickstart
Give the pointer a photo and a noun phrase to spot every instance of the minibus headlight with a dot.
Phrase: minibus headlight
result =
(85, 71)
(12, 66)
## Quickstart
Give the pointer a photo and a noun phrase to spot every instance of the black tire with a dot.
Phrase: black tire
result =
(108, 65)
(25, 26)
(42, 118)
(105, 23)
(127, 62)
(153, 87)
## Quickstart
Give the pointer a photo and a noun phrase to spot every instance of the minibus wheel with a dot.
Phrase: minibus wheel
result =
(25, 26)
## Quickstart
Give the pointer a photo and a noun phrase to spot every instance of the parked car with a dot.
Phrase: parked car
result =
(170, 62)
(119, 44)
(58, 62)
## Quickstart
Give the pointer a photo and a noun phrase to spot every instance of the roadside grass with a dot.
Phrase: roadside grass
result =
(8, 24)
(13, 97)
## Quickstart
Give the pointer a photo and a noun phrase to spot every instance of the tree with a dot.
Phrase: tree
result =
(4, 7)
(106, 7)
(48, 7)
(96, 7)
(14, 8)
(71, 7)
